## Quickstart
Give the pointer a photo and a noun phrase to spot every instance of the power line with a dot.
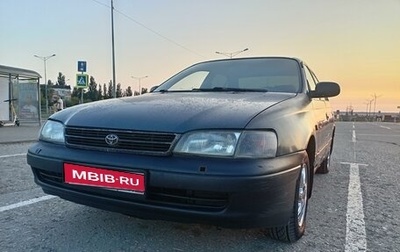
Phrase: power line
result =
(150, 29)
(108, 6)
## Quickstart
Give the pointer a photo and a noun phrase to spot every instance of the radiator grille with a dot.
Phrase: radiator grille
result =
(128, 141)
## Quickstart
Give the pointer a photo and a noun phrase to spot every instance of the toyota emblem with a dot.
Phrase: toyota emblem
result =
(111, 139)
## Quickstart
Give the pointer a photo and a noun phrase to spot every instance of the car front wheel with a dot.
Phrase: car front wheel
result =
(295, 228)
(324, 168)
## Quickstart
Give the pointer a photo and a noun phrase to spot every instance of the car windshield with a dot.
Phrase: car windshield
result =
(252, 74)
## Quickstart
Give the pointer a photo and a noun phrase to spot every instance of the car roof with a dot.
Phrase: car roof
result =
(258, 57)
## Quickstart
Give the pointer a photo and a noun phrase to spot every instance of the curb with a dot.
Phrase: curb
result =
(19, 141)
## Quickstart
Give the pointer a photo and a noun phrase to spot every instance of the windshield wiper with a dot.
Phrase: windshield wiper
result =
(224, 89)
(163, 90)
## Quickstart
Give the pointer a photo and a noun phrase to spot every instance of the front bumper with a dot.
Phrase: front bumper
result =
(240, 193)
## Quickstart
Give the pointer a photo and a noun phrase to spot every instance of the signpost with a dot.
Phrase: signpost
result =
(82, 79)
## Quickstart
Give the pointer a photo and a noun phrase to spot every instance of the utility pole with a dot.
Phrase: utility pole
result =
(375, 97)
(113, 51)
(370, 102)
(366, 110)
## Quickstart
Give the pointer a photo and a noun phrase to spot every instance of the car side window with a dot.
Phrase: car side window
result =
(311, 80)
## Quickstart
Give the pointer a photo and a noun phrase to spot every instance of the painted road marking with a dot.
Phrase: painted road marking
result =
(384, 127)
(13, 155)
(356, 236)
(354, 140)
(26, 203)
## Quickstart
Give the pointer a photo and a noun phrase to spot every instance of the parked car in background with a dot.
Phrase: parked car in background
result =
(233, 143)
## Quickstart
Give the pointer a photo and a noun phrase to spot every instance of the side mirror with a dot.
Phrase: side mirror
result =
(325, 89)
(153, 88)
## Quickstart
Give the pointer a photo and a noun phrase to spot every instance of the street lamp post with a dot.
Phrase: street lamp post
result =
(139, 78)
(370, 107)
(232, 54)
(375, 97)
(45, 58)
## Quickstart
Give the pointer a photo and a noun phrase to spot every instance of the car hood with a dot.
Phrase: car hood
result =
(172, 112)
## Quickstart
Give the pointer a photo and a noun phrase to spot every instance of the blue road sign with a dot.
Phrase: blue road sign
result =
(82, 80)
(82, 66)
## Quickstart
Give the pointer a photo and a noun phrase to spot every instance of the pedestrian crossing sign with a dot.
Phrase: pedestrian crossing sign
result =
(82, 80)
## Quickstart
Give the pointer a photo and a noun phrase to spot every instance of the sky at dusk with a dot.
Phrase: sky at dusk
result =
(355, 43)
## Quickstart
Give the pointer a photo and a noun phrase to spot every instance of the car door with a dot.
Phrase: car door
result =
(321, 118)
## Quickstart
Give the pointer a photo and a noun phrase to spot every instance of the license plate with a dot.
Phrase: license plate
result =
(97, 177)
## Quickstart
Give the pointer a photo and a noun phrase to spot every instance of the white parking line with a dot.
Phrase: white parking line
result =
(26, 202)
(356, 237)
(13, 155)
(353, 137)
(384, 127)
(354, 141)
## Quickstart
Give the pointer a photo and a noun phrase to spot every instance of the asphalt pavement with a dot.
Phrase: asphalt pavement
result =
(353, 208)
(23, 133)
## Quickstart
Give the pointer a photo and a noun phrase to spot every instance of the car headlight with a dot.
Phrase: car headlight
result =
(257, 144)
(52, 131)
(248, 144)
(217, 143)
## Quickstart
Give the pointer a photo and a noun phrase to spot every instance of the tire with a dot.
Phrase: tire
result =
(296, 226)
(324, 167)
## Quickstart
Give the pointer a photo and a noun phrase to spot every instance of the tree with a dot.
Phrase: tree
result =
(92, 90)
(61, 80)
(110, 90)
(42, 95)
(128, 91)
(118, 92)
(100, 93)
(76, 92)
(50, 91)
(75, 97)
(105, 94)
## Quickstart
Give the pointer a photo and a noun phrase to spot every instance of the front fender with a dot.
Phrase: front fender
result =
(293, 120)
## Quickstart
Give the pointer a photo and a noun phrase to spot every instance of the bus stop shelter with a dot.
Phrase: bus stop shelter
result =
(19, 88)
